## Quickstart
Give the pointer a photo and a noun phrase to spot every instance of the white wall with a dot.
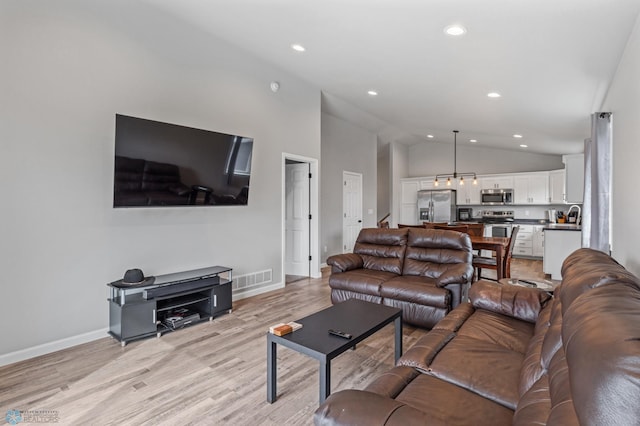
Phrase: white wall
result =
(384, 181)
(399, 169)
(67, 68)
(623, 99)
(345, 147)
(431, 158)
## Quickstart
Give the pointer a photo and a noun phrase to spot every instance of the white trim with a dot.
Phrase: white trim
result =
(237, 295)
(46, 348)
(314, 192)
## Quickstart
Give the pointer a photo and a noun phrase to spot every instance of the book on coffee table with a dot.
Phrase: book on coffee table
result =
(282, 328)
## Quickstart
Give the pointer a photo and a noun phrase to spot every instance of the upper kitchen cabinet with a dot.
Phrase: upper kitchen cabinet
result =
(531, 188)
(469, 194)
(556, 187)
(497, 182)
(428, 184)
(574, 178)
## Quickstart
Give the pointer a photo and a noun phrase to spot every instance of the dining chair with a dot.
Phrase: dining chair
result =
(476, 229)
(482, 262)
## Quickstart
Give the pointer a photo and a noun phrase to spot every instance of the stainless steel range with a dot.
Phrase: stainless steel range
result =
(498, 222)
(496, 216)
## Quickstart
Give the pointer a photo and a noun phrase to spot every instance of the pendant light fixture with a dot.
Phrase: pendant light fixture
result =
(455, 174)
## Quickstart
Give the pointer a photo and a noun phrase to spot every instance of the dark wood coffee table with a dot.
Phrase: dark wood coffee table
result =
(359, 318)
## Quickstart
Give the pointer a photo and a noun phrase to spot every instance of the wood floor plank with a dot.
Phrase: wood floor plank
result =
(211, 373)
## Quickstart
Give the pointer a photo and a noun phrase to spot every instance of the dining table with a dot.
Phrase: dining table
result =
(499, 245)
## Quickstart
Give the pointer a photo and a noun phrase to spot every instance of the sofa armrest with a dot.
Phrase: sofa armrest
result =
(456, 273)
(518, 302)
(356, 407)
(345, 262)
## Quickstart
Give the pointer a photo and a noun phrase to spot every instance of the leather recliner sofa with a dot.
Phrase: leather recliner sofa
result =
(141, 182)
(517, 356)
(426, 272)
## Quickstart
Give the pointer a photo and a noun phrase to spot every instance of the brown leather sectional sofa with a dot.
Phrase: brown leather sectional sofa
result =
(426, 272)
(517, 356)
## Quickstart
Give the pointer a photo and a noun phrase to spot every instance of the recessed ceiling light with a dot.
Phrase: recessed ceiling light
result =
(430, 136)
(455, 30)
(372, 93)
(494, 95)
(517, 136)
(523, 145)
(298, 47)
(473, 140)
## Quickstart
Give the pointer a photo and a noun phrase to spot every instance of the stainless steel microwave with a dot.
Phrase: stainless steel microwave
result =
(496, 197)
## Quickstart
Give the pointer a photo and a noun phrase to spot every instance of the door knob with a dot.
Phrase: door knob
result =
(359, 221)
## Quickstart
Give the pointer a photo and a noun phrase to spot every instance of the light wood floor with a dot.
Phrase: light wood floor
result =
(211, 373)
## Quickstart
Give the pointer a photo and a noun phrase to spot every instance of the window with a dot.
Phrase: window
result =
(239, 159)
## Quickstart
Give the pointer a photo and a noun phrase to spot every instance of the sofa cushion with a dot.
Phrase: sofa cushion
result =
(382, 250)
(448, 404)
(508, 332)
(420, 290)
(365, 281)
(159, 176)
(444, 256)
(128, 174)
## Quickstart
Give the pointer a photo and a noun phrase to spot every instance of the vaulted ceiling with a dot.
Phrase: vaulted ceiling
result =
(551, 61)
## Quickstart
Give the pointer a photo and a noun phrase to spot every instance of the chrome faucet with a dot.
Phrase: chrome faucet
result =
(579, 217)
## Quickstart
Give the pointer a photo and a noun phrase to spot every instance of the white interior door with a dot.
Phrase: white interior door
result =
(297, 219)
(352, 209)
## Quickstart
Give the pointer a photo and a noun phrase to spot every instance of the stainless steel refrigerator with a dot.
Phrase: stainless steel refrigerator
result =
(437, 205)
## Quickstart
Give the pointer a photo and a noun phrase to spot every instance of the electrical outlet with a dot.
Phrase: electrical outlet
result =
(526, 212)
(325, 249)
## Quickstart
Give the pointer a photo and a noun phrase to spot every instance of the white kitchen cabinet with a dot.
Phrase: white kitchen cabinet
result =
(529, 241)
(574, 178)
(538, 241)
(556, 186)
(558, 244)
(428, 184)
(497, 182)
(531, 188)
(468, 194)
(524, 241)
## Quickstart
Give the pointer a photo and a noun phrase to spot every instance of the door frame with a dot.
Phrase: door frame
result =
(314, 191)
(361, 176)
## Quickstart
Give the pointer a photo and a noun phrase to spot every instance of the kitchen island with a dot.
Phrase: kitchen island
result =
(560, 240)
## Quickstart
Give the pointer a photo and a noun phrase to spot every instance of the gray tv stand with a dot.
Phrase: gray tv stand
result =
(137, 311)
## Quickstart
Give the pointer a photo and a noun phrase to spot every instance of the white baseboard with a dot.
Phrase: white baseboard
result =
(45, 348)
(237, 295)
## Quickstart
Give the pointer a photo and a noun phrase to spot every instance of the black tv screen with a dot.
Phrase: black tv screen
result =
(161, 164)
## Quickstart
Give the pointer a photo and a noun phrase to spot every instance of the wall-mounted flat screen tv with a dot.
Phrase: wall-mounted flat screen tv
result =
(161, 164)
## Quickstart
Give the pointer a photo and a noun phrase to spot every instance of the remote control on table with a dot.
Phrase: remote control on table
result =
(340, 334)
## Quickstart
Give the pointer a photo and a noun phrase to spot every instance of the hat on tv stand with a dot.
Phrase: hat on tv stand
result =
(134, 277)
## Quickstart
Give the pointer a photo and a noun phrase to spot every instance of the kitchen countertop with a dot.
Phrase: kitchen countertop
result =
(547, 226)
(562, 227)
